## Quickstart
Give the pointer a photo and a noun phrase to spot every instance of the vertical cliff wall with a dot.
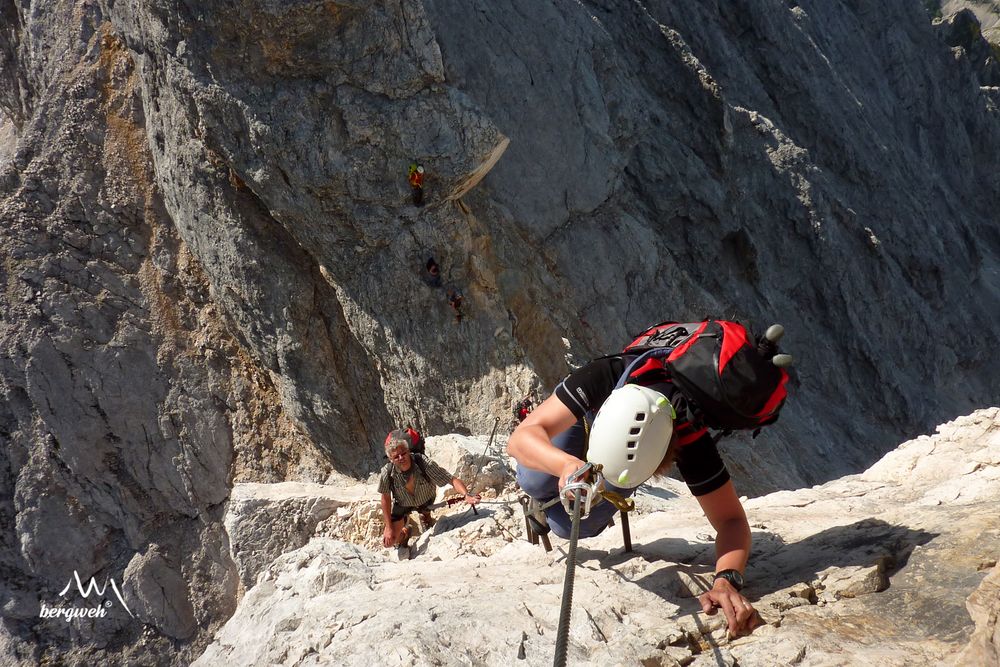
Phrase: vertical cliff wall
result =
(829, 165)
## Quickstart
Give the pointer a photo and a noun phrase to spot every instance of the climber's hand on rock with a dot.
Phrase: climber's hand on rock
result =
(741, 617)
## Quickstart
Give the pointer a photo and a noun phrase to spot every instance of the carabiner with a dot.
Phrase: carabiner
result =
(577, 482)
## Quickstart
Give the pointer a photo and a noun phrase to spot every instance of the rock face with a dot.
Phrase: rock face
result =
(213, 273)
(964, 31)
(987, 13)
(984, 606)
(264, 521)
(872, 569)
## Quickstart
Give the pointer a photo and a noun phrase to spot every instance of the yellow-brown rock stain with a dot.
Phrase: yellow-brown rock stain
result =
(267, 445)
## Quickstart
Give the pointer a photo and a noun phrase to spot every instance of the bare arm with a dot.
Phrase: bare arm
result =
(387, 509)
(732, 550)
(389, 536)
(460, 486)
(531, 442)
(732, 543)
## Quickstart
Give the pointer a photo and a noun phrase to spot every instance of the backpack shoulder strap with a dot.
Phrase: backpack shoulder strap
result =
(655, 353)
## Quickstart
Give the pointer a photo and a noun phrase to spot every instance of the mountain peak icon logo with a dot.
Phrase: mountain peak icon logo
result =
(93, 587)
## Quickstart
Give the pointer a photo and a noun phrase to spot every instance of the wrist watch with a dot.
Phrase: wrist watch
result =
(732, 576)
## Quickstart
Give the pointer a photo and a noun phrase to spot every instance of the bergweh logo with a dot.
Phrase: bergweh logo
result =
(98, 611)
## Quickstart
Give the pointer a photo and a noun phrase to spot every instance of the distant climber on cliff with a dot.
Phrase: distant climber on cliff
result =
(416, 178)
(523, 409)
(455, 301)
(408, 483)
(635, 413)
(433, 273)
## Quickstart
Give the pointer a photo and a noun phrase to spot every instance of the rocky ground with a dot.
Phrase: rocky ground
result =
(895, 566)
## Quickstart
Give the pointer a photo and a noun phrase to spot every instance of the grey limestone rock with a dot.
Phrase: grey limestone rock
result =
(984, 607)
(264, 521)
(160, 594)
(213, 271)
(964, 32)
(987, 13)
(853, 581)
(904, 578)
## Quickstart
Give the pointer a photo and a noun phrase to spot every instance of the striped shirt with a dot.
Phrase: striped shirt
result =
(393, 480)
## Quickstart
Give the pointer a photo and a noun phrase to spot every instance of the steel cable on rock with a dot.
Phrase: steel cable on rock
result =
(489, 443)
(566, 609)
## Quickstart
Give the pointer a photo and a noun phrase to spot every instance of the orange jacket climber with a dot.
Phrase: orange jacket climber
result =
(416, 177)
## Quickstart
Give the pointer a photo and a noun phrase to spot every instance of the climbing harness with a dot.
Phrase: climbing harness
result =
(536, 530)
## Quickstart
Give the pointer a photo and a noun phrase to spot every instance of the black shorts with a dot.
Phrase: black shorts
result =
(400, 512)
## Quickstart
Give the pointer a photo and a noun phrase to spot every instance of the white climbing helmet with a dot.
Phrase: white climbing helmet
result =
(630, 434)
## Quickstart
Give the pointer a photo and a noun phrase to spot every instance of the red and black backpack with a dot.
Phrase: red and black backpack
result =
(720, 368)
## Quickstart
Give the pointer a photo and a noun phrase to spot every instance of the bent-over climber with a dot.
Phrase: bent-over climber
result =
(634, 413)
(408, 483)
